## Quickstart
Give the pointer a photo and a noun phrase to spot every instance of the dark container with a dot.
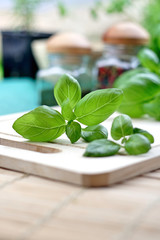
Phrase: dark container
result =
(17, 58)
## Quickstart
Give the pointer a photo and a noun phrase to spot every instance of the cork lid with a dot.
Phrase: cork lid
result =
(68, 43)
(126, 33)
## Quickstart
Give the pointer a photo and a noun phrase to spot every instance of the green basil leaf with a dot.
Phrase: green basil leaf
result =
(92, 133)
(149, 59)
(67, 112)
(145, 133)
(121, 127)
(126, 76)
(137, 144)
(133, 110)
(41, 124)
(140, 89)
(97, 106)
(152, 108)
(73, 131)
(67, 87)
(101, 148)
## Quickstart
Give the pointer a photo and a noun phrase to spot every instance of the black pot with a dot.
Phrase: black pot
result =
(18, 59)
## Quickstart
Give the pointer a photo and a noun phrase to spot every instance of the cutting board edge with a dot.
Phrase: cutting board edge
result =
(81, 179)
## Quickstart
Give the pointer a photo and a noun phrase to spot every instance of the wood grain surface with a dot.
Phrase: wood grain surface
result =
(35, 208)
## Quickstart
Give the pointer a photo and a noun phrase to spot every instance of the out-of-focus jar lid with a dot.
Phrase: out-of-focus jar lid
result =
(128, 33)
(68, 43)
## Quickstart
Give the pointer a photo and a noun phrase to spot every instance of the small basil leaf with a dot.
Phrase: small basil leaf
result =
(101, 148)
(73, 131)
(67, 87)
(121, 127)
(137, 144)
(149, 59)
(97, 106)
(41, 124)
(152, 108)
(92, 133)
(67, 111)
(145, 133)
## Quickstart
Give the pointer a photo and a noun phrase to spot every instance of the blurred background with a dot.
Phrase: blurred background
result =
(26, 25)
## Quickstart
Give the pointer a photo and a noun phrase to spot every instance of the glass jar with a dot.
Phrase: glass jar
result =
(116, 59)
(122, 43)
(75, 65)
(68, 53)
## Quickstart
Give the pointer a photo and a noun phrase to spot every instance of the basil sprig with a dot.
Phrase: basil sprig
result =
(133, 140)
(47, 124)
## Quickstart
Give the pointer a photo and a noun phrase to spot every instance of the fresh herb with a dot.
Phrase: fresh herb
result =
(47, 124)
(41, 124)
(149, 60)
(73, 131)
(67, 88)
(134, 140)
(141, 87)
(97, 106)
(95, 132)
(101, 148)
(67, 111)
(152, 108)
(126, 76)
(137, 144)
(145, 133)
(121, 127)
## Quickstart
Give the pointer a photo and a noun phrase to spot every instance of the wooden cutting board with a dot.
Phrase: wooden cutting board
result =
(65, 162)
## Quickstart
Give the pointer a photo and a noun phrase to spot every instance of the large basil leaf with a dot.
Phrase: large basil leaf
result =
(152, 108)
(133, 110)
(67, 87)
(121, 127)
(41, 124)
(126, 76)
(137, 144)
(101, 148)
(97, 106)
(73, 131)
(140, 89)
(92, 133)
(149, 59)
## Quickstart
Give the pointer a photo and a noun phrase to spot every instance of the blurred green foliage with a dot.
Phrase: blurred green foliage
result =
(151, 21)
(117, 6)
(150, 18)
(25, 11)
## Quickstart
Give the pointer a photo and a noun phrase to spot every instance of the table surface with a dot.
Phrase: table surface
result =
(35, 208)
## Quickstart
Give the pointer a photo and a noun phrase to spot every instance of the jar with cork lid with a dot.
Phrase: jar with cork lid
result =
(122, 42)
(69, 53)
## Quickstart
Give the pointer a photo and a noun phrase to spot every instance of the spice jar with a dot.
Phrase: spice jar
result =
(69, 53)
(121, 45)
